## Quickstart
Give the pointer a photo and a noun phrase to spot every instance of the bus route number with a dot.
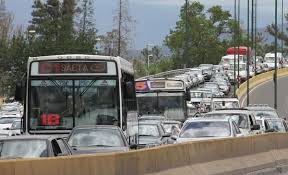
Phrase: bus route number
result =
(50, 119)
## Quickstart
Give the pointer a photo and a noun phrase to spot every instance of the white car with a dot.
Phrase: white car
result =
(208, 128)
(224, 103)
(244, 119)
(6, 122)
(269, 59)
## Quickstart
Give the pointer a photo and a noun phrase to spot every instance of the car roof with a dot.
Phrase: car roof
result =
(260, 108)
(208, 119)
(225, 99)
(230, 111)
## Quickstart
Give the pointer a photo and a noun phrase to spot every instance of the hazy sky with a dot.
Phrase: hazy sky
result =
(154, 18)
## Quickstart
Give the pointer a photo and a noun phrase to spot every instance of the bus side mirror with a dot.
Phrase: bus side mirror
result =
(130, 91)
(19, 92)
(188, 96)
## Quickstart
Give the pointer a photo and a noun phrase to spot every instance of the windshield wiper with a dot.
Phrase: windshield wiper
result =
(87, 88)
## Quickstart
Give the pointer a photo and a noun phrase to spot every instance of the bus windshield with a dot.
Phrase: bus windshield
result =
(171, 104)
(61, 104)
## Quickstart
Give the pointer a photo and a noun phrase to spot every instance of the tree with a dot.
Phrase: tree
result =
(56, 32)
(123, 25)
(205, 38)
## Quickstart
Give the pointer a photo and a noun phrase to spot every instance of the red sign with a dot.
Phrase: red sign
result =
(242, 51)
(50, 119)
(71, 67)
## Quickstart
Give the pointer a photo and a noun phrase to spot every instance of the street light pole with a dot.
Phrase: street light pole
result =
(276, 41)
(248, 52)
(235, 34)
(255, 36)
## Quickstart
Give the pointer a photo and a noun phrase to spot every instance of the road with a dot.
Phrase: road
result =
(264, 94)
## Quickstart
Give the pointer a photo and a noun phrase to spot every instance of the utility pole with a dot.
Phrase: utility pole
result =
(119, 27)
(252, 31)
(276, 41)
(255, 35)
(239, 37)
(282, 27)
(235, 34)
(248, 52)
(186, 32)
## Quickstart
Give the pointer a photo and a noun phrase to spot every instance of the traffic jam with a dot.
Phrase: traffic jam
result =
(88, 104)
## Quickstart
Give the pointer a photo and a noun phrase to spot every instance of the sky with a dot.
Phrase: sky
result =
(154, 18)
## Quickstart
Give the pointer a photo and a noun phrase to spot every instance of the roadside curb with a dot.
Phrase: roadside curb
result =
(257, 80)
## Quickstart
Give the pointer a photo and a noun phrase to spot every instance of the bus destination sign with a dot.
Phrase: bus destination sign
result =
(72, 67)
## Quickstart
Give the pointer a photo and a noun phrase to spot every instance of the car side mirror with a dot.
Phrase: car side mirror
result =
(18, 92)
(255, 127)
(7, 129)
(133, 146)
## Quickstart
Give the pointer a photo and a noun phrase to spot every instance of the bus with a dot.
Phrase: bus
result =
(162, 96)
(61, 92)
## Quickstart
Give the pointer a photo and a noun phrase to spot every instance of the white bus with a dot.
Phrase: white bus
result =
(161, 96)
(64, 91)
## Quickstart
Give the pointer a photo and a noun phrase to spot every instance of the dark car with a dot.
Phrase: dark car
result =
(98, 139)
(20, 147)
(151, 134)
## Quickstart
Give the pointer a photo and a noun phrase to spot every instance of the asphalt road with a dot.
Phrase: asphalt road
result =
(264, 94)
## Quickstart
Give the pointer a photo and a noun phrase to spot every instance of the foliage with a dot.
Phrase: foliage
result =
(201, 41)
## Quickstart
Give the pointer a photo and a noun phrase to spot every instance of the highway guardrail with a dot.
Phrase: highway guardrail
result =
(224, 156)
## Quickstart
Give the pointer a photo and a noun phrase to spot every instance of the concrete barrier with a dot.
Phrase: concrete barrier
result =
(226, 156)
(256, 80)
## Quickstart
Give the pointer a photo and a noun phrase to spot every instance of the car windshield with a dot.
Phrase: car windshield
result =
(96, 137)
(205, 129)
(64, 104)
(171, 105)
(22, 148)
(269, 114)
(150, 130)
(225, 104)
(240, 119)
(276, 125)
(7, 120)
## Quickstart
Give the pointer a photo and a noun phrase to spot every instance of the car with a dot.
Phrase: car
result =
(224, 103)
(262, 110)
(199, 99)
(19, 147)
(272, 124)
(215, 89)
(208, 128)
(6, 122)
(224, 87)
(15, 129)
(244, 119)
(169, 125)
(98, 139)
(151, 134)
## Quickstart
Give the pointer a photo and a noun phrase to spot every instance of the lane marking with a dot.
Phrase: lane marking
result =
(254, 88)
